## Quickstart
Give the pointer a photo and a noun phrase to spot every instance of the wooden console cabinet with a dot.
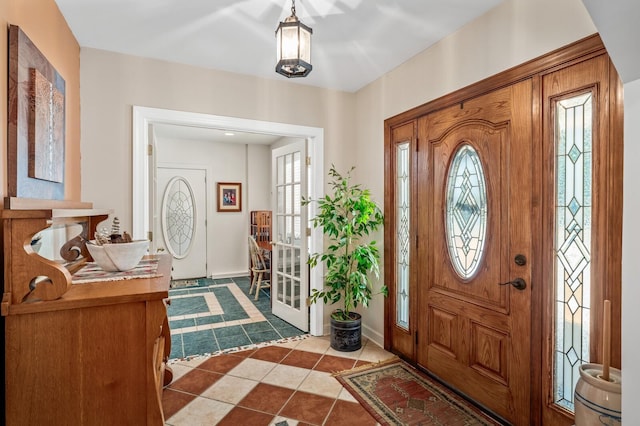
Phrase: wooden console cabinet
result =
(79, 354)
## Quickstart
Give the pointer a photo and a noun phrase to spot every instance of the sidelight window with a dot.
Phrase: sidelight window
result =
(574, 168)
(403, 191)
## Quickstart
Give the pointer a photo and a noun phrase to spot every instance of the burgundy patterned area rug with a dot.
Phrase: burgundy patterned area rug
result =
(397, 394)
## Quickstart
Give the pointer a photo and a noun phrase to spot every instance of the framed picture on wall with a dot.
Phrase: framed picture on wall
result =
(36, 121)
(229, 196)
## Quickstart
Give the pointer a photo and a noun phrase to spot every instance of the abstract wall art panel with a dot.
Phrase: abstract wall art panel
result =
(46, 129)
(36, 122)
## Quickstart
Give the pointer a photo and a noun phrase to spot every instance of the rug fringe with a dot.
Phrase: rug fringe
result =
(365, 366)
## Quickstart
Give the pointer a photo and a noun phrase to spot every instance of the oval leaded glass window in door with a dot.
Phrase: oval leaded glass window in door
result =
(466, 211)
(178, 217)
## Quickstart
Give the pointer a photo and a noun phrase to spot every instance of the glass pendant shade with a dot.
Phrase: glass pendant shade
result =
(293, 47)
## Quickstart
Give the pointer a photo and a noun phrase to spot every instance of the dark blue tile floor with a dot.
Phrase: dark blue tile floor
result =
(231, 325)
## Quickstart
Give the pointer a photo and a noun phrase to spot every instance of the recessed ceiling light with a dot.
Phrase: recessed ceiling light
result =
(229, 134)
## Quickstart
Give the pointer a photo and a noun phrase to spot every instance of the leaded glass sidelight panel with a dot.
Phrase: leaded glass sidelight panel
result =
(466, 211)
(402, 234)
(574, 168)
(178, 217)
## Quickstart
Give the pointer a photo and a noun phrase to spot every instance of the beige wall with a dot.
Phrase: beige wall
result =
(42, 22)
(258, 177)
(113, 83)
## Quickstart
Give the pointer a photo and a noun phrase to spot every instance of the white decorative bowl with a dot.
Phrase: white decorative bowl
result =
(119, 256)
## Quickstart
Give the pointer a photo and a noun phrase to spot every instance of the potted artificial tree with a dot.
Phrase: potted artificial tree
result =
(347, 217)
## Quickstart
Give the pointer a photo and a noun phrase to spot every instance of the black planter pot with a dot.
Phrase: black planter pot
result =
(346, 336)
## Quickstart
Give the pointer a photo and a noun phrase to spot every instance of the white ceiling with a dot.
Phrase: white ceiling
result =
(354, 41)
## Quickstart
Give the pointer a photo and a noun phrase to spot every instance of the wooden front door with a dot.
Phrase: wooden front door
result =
(474, 248)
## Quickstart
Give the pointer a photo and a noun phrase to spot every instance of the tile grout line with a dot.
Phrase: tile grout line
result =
(297, 389)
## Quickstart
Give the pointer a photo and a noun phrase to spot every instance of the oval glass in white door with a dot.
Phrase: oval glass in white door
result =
(180, 226)
(178, 217)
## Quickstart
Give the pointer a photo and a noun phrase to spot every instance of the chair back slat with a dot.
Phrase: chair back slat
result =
(257, 260)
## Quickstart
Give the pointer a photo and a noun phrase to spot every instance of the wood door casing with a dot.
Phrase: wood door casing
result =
(475, 333)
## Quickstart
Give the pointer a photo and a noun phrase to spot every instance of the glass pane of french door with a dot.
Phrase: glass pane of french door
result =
(289, 269)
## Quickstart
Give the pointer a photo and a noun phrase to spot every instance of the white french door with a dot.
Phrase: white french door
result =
(289, 270)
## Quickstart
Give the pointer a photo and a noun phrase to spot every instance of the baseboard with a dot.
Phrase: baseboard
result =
(367, 332)
(326, 329)
(230, 275)
(373, 335)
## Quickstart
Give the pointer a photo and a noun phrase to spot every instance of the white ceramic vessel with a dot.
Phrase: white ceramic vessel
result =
(118, 257)
(597, 401)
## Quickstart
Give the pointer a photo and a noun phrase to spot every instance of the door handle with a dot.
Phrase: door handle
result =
(518, 283)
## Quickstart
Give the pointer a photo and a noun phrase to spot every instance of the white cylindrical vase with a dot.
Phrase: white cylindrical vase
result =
(598, 401)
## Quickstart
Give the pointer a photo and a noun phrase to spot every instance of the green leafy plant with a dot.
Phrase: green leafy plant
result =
(347, 217)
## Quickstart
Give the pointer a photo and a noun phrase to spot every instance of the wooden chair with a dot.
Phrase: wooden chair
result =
(259, 267)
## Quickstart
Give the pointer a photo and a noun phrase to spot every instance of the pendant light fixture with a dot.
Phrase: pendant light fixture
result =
(293, 46)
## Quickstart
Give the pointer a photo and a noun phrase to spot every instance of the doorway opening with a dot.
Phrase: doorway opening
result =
(143, 178)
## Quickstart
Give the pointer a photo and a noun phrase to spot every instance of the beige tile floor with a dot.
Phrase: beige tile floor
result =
(285, 384)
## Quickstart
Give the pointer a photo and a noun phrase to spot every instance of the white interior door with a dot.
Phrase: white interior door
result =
(290, 283)
(180, 227)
